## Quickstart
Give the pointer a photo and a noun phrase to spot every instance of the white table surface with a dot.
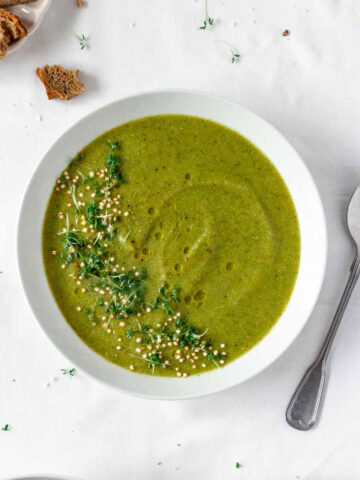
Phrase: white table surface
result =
(306, 85)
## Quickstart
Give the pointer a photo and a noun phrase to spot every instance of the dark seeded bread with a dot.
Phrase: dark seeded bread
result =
(60, 83)
(10, 3)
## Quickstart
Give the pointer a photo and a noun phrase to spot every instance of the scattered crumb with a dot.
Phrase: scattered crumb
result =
(286, 33)
(81, 3)
(179, 444)
(234, 25)
(132, 24)
(13, 380)
(159, 463)
(39, 118)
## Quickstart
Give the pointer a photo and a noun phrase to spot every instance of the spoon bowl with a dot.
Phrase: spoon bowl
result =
(353, 216)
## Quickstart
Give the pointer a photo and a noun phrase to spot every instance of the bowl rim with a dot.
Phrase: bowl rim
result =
(264, 363)
(42, 476)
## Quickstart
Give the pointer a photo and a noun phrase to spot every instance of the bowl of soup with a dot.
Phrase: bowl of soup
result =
(172, 244)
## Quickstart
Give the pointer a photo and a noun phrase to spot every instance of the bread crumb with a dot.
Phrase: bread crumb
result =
(81, 3)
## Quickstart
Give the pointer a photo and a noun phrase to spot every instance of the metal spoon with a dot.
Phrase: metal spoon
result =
(304, 407)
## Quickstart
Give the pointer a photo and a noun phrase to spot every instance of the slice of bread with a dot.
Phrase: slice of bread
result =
(12, 25)
(11, 29)
(10, 3)
(59, 82)
(4, 42)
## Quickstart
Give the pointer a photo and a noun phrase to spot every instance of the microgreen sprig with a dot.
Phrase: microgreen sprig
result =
(208, 20)
(113, 163)
(83, 41)
(70, 373)
(234, 54)
(5, 428)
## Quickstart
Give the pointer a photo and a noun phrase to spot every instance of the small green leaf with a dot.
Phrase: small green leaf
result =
(83, 41)
(69, 373)
(204, 26)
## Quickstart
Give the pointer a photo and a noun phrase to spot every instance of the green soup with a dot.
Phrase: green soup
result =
(171, 245)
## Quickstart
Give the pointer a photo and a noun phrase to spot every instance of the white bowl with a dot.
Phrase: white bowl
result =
(303, 192)
(42, 477)
(31, 15)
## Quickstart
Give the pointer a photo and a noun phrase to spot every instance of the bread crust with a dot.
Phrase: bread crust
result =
(41, 75)
(4, 42)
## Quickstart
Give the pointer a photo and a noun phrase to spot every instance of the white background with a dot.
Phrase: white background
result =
(307, 85)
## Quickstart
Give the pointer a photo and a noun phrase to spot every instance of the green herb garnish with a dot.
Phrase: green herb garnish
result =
(83, 41)
(238, 465)
(154, 360)
(69, 373)
(117, 293)
(113, 163)
(234, 54)
(5, 428)
(208, 20)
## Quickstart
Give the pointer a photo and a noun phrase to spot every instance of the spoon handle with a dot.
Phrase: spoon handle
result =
(304, 406)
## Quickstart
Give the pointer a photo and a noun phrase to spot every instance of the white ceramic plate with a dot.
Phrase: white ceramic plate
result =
(295, 175)
(31, 14)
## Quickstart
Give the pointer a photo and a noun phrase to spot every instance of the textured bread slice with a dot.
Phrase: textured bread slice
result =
(12, 25)
(4, 42)
(11, 29)
(10, 3)
(59, 82)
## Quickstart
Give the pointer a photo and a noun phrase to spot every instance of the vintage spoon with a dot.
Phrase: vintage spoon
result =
(304, 407)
